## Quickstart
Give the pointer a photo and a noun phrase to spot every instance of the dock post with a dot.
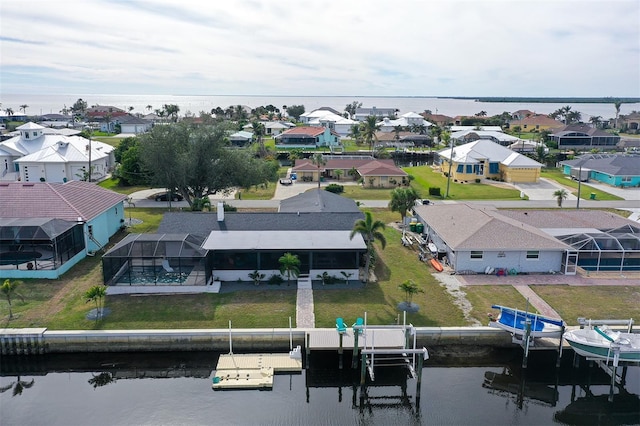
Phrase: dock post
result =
(614, 372)
(363, 371)
(230, 339)
(340, 352)
(558, 360)
(308, 349)
(527, 336)
(419, 381)
(354, 359)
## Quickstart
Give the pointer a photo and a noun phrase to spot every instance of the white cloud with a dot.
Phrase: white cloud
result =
(324, 47)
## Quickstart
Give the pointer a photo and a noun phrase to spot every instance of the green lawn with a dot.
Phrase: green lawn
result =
(425, 177)
(585, 189)
(113, 185)
(109, 140)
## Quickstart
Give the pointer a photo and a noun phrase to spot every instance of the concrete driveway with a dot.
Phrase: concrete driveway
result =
(542, 190)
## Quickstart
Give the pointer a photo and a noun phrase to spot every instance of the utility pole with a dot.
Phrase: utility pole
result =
(445, 136)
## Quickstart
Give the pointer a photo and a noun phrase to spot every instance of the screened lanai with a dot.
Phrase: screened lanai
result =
(156, 259)
(38, 243)
(607, 250)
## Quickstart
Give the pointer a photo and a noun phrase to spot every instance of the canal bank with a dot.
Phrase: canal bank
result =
(27, 341)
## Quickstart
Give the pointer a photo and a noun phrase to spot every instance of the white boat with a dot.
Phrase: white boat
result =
(515, 322)
(601, 342)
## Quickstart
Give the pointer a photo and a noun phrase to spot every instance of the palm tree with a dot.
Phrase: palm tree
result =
(24, 108)
(258, 133)
(595, 120)
(355, 134)
(410, 288)
(338, 173)
(369, 127)
(371, 231)
(318, 161)
(402, 200)
(617, 104)
(290, 265)
(9, 111)
(560, 195)
(8, 288)
(172, 111)
(256, 276)
(96, 294)
(353, 172)
(149, 108)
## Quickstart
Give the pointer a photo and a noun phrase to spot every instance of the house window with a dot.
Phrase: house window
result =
(26, 135)
(469, 168)
(460, 168)
(501, 254)
(476, 255)
(533, 254)
(35, 134)
(626, 178)
(494, 168)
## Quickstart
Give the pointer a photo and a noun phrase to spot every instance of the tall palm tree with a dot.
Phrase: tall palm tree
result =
(617, 104)
(290, 265)
(149, 108)
(560, 195)
(355, 134)
(595, 120)
(369, 127)
(258, 133)
(9, 111)
(8, 289)
(24, 108)
(318, 161)
(402, 200)
(96, 294)
(371, 231)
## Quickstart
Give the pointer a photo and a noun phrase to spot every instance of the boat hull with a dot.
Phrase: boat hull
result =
(589, 344)
(515, 322)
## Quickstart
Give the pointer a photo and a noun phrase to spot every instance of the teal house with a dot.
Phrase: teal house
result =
(307, 137)
(619, 170)
(47, 228)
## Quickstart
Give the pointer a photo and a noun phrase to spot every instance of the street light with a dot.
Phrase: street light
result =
(446, 195)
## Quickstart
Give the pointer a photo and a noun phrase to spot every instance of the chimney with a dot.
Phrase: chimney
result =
(220, 211)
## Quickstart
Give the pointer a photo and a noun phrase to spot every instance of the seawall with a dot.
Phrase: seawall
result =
(24, 341)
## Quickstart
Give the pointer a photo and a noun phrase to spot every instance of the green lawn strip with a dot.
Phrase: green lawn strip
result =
(150, 217)
(259, 192)
(595, 302)
(425, 177)
(395, 264)
(585, 189)
(357, 192)
(482, 297)
(113, 185)
(109, 140)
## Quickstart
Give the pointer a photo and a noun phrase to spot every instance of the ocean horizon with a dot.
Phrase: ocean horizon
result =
(39, 104)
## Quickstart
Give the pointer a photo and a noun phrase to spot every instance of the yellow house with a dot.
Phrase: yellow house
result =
(485, 159)
(536, 122)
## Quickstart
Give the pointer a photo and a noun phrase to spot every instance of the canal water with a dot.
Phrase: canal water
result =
(488, 388)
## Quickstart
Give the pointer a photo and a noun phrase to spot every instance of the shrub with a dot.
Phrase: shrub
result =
(335, 188)
(477, 180)
(434, 191)
(275, 279)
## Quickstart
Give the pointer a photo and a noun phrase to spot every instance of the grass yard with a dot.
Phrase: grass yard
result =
(425, 177)
(113, 185)
(357, 192)
(571, 302)
(585, 189)
(109, 140)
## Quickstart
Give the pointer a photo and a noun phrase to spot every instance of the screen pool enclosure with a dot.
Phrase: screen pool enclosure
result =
(156, 259)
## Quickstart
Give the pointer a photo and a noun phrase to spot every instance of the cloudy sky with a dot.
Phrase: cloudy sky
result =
(321, 47)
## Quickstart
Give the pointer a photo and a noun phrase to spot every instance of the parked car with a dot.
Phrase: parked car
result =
(423, 202)
(164, 196)
(286, 181)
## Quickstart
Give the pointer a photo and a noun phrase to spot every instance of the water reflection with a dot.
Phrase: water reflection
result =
(18, 386)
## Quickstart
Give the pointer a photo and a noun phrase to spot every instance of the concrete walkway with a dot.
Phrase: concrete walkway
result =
(537, 302)
(305, 318)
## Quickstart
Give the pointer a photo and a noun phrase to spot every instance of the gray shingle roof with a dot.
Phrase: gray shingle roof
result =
(318, 200)
(464, 227)
(615, 165)
(576, 219)
(203, 223)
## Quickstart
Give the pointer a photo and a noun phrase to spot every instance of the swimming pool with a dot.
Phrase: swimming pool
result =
(154, 276)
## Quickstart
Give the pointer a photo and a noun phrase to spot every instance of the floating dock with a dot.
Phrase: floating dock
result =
(254, 371)
(378, 336)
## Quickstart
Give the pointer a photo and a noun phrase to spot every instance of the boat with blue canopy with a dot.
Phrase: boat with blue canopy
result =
(515, 321)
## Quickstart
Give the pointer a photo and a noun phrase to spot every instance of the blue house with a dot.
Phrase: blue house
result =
(307, 137)
(47, 228)
(613, 169)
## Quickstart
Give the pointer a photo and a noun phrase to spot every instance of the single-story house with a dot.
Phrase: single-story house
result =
(470, 135)
(613, 169)
(315, 226)
(240, 138)
(454, 129)
(307, 137)
(327, 118)
(376, 173)
(407, 120)
(583, 136)
(486, 159)
(133, 125)
(362, 113)
(402, 139)
(477, 239)
(438, 119)
(42, 154)
(536, 122)
(629, 122)
(46, 228)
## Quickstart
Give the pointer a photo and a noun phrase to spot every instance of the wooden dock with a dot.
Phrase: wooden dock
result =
(253, 371)
(329, 339)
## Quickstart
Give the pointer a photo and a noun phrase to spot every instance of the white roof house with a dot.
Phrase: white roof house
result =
(324, 118)
(485, 128)
(497, 137)
(37, 155)
(408, 119)
(483, 149)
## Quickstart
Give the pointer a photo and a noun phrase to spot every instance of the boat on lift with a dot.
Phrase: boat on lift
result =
(515, 322)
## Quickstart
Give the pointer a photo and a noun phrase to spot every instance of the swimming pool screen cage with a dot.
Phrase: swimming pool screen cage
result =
(615, 250)
(156, 259)
(38, 243)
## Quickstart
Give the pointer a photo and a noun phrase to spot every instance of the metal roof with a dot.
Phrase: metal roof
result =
(283, 240)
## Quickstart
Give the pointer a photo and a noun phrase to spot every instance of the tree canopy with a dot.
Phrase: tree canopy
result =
(295, 111)
(197, 162)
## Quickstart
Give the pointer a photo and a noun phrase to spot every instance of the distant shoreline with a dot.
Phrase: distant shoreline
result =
(607, 100)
